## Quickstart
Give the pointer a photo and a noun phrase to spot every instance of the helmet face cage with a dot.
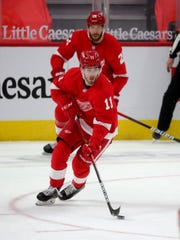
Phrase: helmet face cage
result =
(90, 59)
(96, 18)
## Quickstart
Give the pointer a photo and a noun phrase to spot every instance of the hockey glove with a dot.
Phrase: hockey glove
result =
(69, 109)
(88, 152)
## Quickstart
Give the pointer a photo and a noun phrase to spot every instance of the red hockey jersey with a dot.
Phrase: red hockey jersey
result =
(97, 109)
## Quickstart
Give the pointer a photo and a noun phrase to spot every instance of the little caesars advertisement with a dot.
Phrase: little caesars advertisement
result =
(45, 34)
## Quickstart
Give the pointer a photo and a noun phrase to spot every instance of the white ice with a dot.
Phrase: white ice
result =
(141, 176)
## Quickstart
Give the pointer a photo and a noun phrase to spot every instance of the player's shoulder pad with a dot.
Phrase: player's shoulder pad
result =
(111, 41)
(110, 37)
(73, 70)
(104, 83)
(79, 33)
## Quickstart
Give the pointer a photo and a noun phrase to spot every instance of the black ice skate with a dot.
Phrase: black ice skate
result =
(49, 147)
(47, 197)
(68, 192)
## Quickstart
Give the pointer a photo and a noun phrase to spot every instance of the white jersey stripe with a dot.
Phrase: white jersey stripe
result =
(119, 75)
(106, 125)
(89, 130)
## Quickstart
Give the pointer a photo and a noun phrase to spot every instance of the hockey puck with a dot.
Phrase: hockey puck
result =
(120, 217)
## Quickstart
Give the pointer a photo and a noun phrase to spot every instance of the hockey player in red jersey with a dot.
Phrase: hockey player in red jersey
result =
(87, 93)
(110, 52)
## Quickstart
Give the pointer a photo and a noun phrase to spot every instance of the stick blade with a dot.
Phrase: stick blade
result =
(115, 212)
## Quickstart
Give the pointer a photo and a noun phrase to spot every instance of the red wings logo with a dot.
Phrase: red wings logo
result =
(84, 106)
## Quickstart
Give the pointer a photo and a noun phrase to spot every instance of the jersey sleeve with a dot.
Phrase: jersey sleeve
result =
(65, 52)
(118, 66)
(61, 88)
(67, 49)
(115, 57)
(105, 120)
(57, 94)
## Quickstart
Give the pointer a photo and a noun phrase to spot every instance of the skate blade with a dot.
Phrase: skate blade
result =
(46, 154)
(46, 203)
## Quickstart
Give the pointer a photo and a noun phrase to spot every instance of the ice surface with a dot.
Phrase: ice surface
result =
(141, 176)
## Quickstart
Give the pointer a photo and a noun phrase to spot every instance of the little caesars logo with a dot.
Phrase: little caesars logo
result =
(44, 34)
(26, 33)
(134, 34)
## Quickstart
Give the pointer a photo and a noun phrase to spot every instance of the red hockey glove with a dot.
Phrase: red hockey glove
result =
(57, 65)
(88, 151)
(59, 74)
(69, 109)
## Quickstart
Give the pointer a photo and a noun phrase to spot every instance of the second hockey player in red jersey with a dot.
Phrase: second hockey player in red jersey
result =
(94, 38)
(86, 96)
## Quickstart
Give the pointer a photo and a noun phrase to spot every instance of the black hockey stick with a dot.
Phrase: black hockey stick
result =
(156, 130)
(114, 212)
